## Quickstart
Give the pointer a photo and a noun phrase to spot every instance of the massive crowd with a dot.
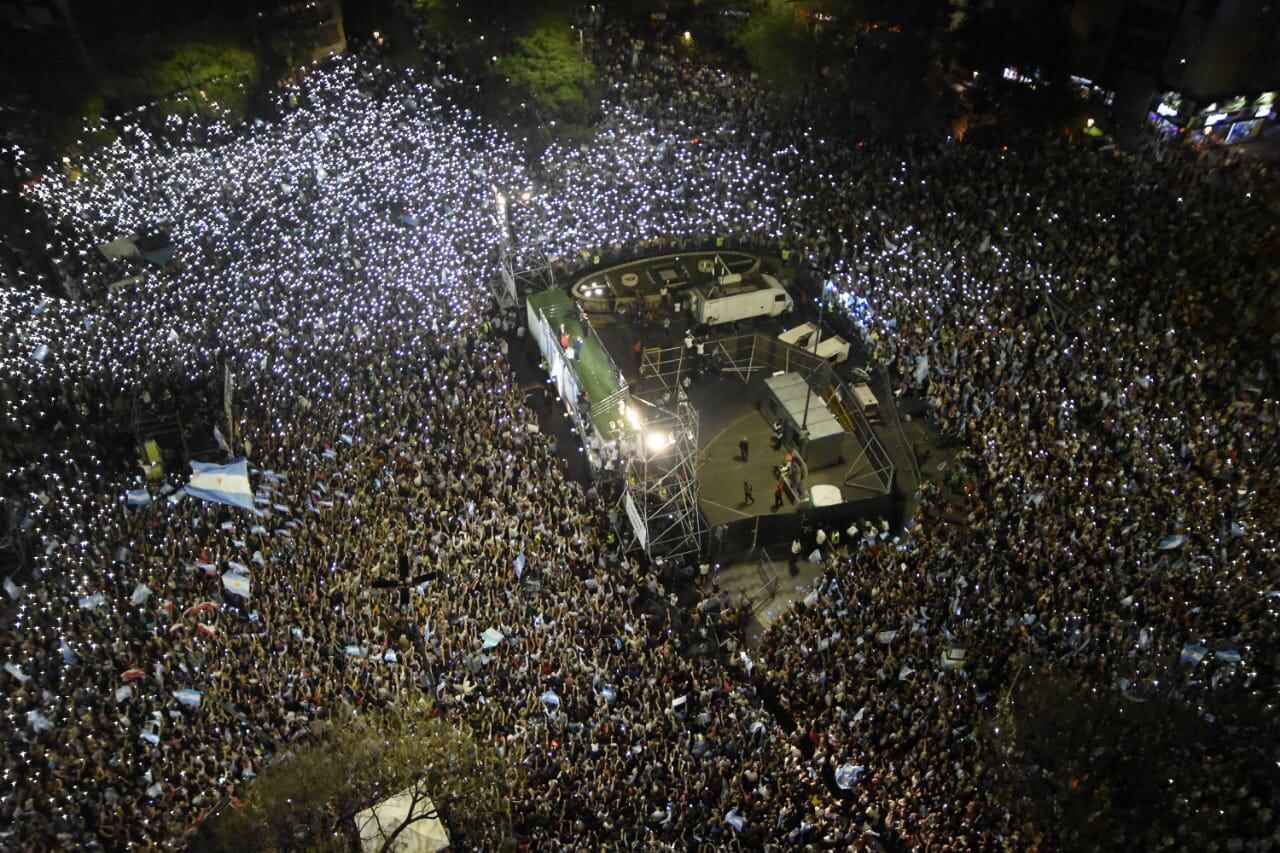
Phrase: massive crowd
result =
(1117, 470)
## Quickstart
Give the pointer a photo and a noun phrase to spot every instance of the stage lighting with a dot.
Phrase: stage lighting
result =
(656, 440)
(633, 418)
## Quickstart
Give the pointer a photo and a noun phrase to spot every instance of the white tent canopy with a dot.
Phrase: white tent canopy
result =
(379, 823)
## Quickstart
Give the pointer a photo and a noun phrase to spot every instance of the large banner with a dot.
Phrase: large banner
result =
(637, 523)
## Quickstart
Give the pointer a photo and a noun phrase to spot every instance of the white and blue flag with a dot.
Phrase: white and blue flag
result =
(847, 775)
(224, 484)
(236, 584)
(1193, 653)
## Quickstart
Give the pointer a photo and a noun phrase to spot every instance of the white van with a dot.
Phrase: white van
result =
(731, 299)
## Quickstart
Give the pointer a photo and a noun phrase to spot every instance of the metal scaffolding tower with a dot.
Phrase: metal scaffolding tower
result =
(511, 283)
(660, 479)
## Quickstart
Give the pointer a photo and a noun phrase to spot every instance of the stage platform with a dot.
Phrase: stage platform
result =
(730, 411)
(722, 473)
(729, 408)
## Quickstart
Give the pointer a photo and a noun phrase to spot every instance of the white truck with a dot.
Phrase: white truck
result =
(731, 298)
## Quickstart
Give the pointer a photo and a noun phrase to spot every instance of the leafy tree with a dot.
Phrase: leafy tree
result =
(487, 25)
(869, 61)
(550, 82)
(204, 77)
(311, 801)
(780, 47)
(1098, 769)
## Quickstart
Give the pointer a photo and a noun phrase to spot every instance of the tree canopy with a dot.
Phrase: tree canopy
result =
(1102, 768)
(550, 81)
(859, 58)
(780, 47)
(205, 77)
(310, 801)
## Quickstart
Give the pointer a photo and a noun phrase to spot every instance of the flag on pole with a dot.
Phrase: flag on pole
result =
(224, 484)
(187, 696)
(138, 497)
(221, 439)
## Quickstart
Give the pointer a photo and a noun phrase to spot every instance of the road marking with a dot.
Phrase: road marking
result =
(729, 427)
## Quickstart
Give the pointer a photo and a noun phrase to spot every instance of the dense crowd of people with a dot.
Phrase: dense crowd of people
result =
(415, 533)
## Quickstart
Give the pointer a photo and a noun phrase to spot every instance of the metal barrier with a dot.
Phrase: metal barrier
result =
(608, 408)
(902, 433)
(768, 581)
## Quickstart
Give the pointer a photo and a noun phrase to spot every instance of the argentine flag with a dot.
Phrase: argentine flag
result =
(847, 775)
(236, 584)
(224, 484)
